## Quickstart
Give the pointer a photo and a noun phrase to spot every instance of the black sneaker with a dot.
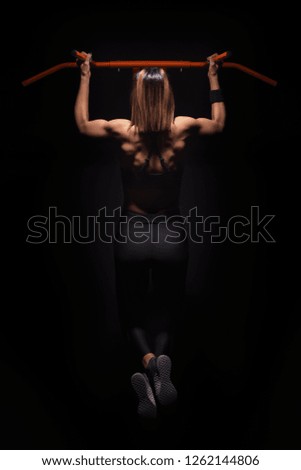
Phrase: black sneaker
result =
(147, 405)
(158, 370)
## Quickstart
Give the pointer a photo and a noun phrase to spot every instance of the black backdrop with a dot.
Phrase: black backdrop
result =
(65, 377)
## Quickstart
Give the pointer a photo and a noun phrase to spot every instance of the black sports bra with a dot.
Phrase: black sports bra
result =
(134, 177)
(146, 164)
(155, 190)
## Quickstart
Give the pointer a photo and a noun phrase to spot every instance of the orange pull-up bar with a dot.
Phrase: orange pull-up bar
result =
(136, 64)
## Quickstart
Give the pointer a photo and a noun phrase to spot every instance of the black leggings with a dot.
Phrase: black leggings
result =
(151, 255)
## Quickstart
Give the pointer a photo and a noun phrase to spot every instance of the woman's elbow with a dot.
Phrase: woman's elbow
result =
(82, 128)
(219, 127)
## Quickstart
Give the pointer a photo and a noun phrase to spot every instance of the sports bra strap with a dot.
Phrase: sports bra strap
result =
(147, 160)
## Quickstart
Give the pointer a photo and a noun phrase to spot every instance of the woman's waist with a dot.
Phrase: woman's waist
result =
(152, 216)
(152, 181)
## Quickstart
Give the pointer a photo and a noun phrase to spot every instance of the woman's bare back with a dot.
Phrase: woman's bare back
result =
(158, 190)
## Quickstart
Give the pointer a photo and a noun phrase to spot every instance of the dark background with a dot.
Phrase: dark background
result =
(65, 376)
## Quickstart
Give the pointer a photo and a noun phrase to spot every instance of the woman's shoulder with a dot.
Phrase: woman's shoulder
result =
(120, 125)
(120, 129)
(183, 124)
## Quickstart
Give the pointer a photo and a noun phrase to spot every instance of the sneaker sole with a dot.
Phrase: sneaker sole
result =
(146, 408)
(167, 393)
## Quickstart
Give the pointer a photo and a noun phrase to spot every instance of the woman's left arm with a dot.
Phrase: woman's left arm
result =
(97, 127)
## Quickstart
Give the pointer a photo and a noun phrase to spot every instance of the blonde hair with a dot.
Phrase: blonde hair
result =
(152, 101)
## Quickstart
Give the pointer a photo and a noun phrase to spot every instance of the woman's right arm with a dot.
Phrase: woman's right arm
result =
(218, 111)
(216, 124)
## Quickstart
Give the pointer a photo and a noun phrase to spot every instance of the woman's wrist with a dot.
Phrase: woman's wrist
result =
(214, 83)
(84, 80)
(216, 96)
